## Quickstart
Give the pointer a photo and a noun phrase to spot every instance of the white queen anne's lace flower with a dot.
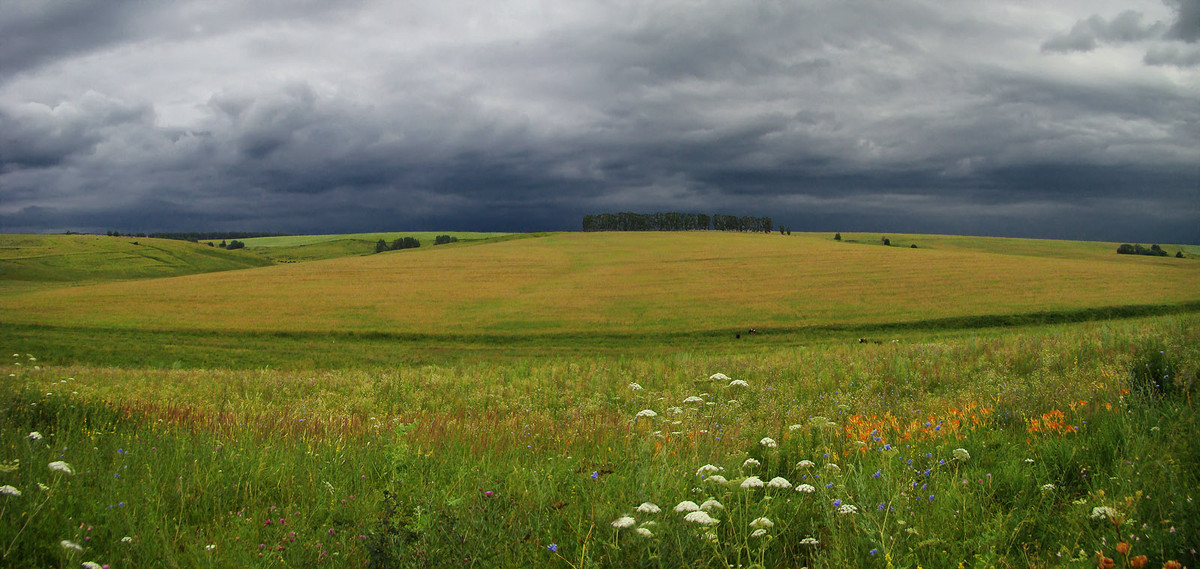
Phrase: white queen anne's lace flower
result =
(758, 533)
(708, 469)
(768, 442)
(832, 467)
(718, 479)
(646, 413)
(686, 506)
(648, 508)
(847, 509)
(7, 490)
(795, 427)
(1047, 487)
(738, 383)
(762, 523)
(635, 386)
(961, 454)
(34, 436)
(751, 463)
(702, 518)
(752, 482)
(644, 532)
(693, 399)
(806, 488)
(624, 522)
(61, 466)
(809, 541)
(68, 544)
(719, 376)
(711, 504)
(91, 565)
(805, 464)
(1103, 513)
(779, 482)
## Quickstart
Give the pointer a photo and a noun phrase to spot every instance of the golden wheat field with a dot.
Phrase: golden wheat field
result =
(632, 282)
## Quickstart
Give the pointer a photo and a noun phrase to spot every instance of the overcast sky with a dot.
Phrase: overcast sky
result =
(1067, 119)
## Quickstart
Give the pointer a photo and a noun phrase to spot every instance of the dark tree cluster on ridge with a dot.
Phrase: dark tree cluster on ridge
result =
(672, 221)
(1153, 251)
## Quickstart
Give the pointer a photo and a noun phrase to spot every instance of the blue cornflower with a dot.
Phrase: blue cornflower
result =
(887, 447)
(942, 461)
(873, 552)
(553, 547)
(837, 503)
(828, 486)
(595, 474)
(931, 497)
(881, 506)
(877, 474)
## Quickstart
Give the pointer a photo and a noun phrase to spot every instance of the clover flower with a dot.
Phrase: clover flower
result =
(806, 488)
(635, 386)
(762, 523)
(624, 522)
(751, 463)
(648, 508)
(686, 506)
(701, 517)
(711, 504)
(962, 455)
(708, 469)
(693, 399)
(779, 482)
(848, 509)
(68, 544)
(647, 413)
(752, 482)
(718, 479)
(768, 442)
(644, 533)
(7, 490)
(805, 464)
(738, 383)
(34, 436)
(809, 541)
(61, 467)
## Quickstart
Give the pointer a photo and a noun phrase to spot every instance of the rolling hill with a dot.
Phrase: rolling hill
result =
(30, 262)
(628, 283)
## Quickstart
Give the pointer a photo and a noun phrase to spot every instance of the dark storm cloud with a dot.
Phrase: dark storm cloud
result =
(331, 116)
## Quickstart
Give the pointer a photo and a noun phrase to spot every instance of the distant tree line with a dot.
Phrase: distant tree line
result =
(671, 221)
(1153, 251)
(207, 236)
(411, 243)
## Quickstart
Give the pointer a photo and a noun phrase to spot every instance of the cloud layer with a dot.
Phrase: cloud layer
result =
(1078, 120)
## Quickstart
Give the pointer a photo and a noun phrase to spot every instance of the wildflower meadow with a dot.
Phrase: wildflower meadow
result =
(1047, 446)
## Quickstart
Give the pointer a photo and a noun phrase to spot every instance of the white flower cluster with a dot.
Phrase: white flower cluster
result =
(635, 386)
(738, 383)
(962, 455)
(752, 482)
(1104, 513)
(648, 508)
(7, 490)
(779, 482)
(806, 488)
(624, 522)
(708, 469)
(768, 442)
(646, 413)
(701, 517)
(61, 466)
(751, 463)
(693, 399)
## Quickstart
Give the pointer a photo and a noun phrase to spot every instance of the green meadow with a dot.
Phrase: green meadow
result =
(598, 400)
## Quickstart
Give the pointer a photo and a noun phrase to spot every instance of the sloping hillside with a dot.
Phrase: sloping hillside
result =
(37, 261)
(621, 283)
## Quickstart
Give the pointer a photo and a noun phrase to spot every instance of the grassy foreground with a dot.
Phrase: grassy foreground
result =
(1048, 447)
